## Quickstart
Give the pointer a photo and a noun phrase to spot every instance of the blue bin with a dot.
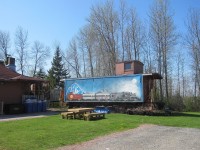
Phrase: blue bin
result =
(34, 105)
(101, 109)
(28, 106)
(44, 105)
(39, 106)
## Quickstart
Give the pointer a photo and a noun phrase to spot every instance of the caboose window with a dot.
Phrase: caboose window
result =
(127, 66)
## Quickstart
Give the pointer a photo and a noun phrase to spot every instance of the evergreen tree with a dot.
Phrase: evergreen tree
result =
(51, 79)
(40, 74)
(57, 71)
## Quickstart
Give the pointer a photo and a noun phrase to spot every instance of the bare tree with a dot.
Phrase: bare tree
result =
(4, 44)
(21, 46)
(81, 43)
(193, 43)
(111, 35)
(183, 76)
(137, 34)
(180, 77)
(73, 55)
(178, 63)
(88, 38)
(148, 55)
(123, 23)
(39, 54)
(104, 19)
(164, 37)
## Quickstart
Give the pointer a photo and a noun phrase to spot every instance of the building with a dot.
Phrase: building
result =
(14, 85)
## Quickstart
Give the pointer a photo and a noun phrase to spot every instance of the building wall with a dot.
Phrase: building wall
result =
(136, 68)
(147, 88)
(130, 71)
(119, 69)
(11, 92)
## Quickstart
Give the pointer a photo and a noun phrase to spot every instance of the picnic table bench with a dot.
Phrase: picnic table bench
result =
(67, 115)
(90, 116)
(76, 113)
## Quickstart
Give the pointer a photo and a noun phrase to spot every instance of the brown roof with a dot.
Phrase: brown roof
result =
(26, 78)
(6, 73)
(9, 75)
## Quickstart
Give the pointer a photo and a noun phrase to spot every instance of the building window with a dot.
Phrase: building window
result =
(127, 66)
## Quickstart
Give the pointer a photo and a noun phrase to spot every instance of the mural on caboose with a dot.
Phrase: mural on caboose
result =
(115, 88)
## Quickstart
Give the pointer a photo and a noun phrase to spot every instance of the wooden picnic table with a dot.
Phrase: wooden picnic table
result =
(82, 113)
(79, 112)
(90, 116)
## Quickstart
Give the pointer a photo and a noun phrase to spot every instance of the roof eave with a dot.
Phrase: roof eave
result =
(154, 75)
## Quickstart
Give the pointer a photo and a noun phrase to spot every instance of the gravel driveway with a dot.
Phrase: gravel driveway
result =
(145, 137)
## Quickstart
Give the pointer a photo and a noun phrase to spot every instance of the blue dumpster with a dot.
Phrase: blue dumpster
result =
(39, 106)
(34, 105)
(44, 105)
(28, 106)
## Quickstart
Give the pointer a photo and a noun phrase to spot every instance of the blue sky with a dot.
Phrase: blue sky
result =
(46, 20)
(52, 21)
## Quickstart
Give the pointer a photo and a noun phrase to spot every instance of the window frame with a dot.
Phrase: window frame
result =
(127, 66)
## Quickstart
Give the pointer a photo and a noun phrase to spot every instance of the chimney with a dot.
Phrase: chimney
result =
(129, 67)
(11, 64)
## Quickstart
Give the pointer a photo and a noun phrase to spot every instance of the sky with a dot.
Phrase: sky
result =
(58, 21)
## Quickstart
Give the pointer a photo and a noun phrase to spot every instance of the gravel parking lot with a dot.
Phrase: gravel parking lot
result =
(145, 137)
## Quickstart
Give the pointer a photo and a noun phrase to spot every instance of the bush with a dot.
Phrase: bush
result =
(192, 103)
(176, 103)
(159, 105)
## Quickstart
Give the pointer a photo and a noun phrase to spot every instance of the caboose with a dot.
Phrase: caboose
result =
(129, 87)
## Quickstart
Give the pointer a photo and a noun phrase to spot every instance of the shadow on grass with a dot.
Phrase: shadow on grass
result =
(185, 114)
(94, 119)
(164, 114)
(177, 114)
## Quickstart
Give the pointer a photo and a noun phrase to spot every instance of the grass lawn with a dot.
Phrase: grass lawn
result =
(51, 132)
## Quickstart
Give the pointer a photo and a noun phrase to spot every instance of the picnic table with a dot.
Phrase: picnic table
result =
(76, 113)
(90, 116)
(80, 110)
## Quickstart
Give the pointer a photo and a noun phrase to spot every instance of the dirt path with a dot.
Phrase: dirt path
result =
(145, 137)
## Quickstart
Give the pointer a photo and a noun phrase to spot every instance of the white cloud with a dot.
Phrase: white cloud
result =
(127, 86)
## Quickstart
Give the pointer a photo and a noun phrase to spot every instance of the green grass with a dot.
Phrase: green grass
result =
(51, 132)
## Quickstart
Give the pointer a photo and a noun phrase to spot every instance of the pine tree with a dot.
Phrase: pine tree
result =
(57, 71)
(51, 79)
(40, 74)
